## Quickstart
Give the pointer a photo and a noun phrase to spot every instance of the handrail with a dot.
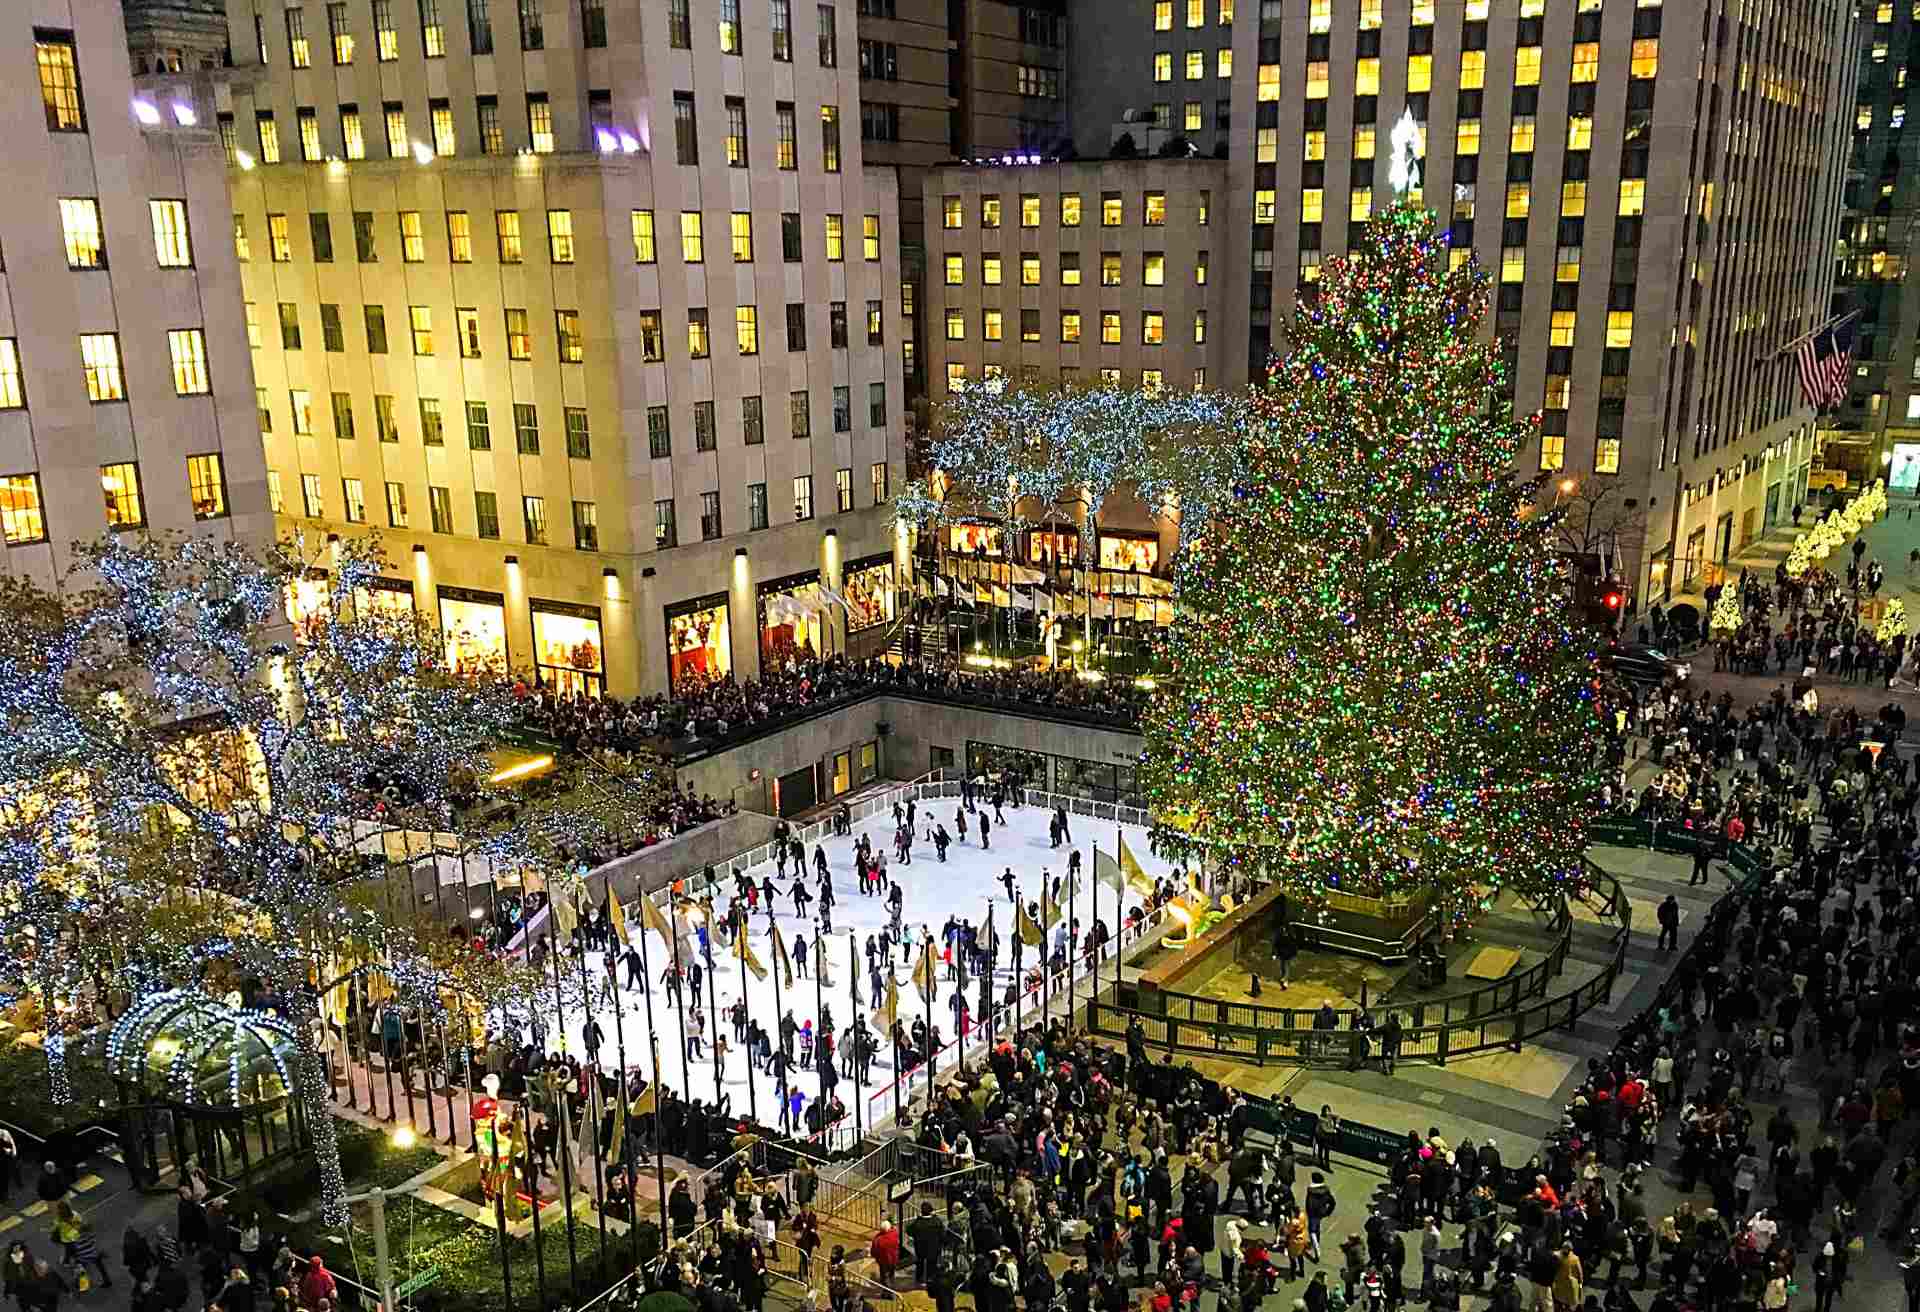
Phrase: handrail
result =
(1436, 1042)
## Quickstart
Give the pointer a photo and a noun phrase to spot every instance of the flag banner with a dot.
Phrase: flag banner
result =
(941, 586)
(1137, 877)
(1022, 574)
(566, 916)
(1023, 924)
(982, 592)
(923, 974)
(644, 1104)
(1001, 597)
(889, 1009)
(1156, 587)
(616, 914)
(1825, 360)
(654, 919)
(1049, 909)
(780, 958)
(748, 959)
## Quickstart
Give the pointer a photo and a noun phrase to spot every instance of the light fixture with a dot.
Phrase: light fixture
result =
(628, 146)
(513, 562)
(184, 115)
(740, 551)
(422, 153)
(243, 158)
(833, 532)
(419, 550)
(147, 112)
(605, 139)
(333, 540)
(609, 573)
(403, 1137)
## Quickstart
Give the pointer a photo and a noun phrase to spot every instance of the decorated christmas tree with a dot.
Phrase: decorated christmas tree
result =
(1376, 684)
(1725, 620)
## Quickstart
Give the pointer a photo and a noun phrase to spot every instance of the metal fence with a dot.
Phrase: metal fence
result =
(1266, 1040)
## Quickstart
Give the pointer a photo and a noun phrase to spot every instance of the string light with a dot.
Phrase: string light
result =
(1374, 683)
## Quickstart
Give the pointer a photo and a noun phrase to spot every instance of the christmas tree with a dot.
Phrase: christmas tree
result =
(1725, 620)
(1375, 681)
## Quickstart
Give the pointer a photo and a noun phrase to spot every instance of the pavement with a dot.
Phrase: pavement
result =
(103, 1192)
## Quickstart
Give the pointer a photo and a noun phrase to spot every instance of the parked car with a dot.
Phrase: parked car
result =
(1643, 663)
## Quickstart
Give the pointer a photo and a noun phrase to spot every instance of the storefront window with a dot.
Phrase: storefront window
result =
(869, 762)
(699, 644)
(1097, 781)
(569, 655)
(842, 772)
(308, 600)
(868, 588)
(793, 620)
(389, 602)
(1008, 765)
(1140, 555)
(475, 627)
(973, 539)
(1052, 546)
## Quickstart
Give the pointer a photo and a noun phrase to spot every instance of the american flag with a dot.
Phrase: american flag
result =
(1826, 363)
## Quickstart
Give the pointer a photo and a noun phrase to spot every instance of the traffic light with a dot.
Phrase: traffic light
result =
(1614, 600)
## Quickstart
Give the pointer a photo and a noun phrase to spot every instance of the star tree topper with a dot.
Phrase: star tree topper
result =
(1404, 173)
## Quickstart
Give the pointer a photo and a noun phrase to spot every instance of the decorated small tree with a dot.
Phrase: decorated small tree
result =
(1893, 621)
(1725, 620)
(1376, 682)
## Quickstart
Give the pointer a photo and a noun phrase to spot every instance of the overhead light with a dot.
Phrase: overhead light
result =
(147, 112)
(513, 562)
(422, 153)
(628, 146)
(607, 142)
(243, 158)
(184, 115)
(419, 550)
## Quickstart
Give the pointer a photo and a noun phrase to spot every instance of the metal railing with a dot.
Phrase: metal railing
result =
(1261, 1044)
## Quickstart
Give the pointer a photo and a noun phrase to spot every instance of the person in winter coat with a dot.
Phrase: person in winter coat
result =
(1297, 1246)
(1319, 1206)
(1569, 1281)
(1230, 1250)
(886, 1252)
(316, 1284)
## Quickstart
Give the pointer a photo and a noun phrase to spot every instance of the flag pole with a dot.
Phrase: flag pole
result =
(779, 1035)
(854, 1028)
(653, 1039)
(1073, 942)
(819, 1024)
(679, 1001)
(926, 1003)
(713, 1001)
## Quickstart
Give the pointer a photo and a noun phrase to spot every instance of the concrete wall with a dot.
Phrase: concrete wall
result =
(915, 729)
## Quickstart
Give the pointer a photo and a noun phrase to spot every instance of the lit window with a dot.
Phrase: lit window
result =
(1193, 121)
(870, 234)
(1163, 15)
(1110, 327)
(740, 227)
(1069, 209)
(1263, 205)
(1316, 80)
(171, 245)
(1360, 204)
(207, 486)
(1586, 61)
(1070, 325)
(80, 226)
(1268, 87)
(572, 342)
(353, 501)
(21, 517)
(1155, 209)
(59, 91)
(1311, 200)
(1320, 16)
(1153, 271)
(1315, 144)
(1069, 268)
(12, 395)
(1519, 199)
(1526, 66)
(1467, 137)
(1473, 70)
(1646, 57)
(992, 326)
(1363, 139)
(1199, 327)
(692, 242)
(519, 332)
(989, 211)
(1573, 199)
(1566, 264)
(1553, 452)
(1513, 264)
(746, 329)
(956, 376)
(100, 354)
(420, 324)
(643, 250)
(836, 238)
(1633, 196)
(1419, 73)
(1112, 210)
(952, 215)
(506, 229)
(956, 270)
(413, 238)
(1559, 388)
(540, 124)
(1562, 329)
(1606, 455)
(1110, 269)
(121, 485)
(1520, 139)
(188, 347)
(560, 236)
(1029, 270)
(1223, 62)
(990, 270)
(1196, 65)
(1366, 77)
(1579, 133)
(1620, 329)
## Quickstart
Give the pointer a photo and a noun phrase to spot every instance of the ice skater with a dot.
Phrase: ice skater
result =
(800, 955)
(1006, 881)
(960, 825)
(801, 898)
(985, 846)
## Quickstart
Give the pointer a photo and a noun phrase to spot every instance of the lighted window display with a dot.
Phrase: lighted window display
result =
(308, 599)
(569, 655)
(1136, 554)
(793, 619)
(386, 601)
(868, 588)
(1049, 546)
(973, 539)
(699, 644)
(475, 625)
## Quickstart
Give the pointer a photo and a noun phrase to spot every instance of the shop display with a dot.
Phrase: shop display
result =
(868, 589)
(974, 539)
(475, 627)
(569, 653)
(1137, 555)
(698, 645)
(793, 620)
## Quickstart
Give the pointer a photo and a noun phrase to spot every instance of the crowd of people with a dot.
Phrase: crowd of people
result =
(717, 710)
(1816, 624)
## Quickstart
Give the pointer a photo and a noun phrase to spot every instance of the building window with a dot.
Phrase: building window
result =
(1113, 210)
(573, 344)
(560, 236)
(1633, 197)
(533, 34)
(526, 428)
(1153, 327)
(785, 137)
(1110, 274)
(440, 508)
(399, 143)
(753, 425)
(1153, 269)
(188, 348)
(705, 430)
(172, 246)
(80, 227)
(466, 331)
(121, 486)
(365, 246)
(310, 501)
(746, 329)
(533, 512)
(280, 243)
(486, 515)
(803, 497)
(659, 432)
(519, 334)
(710, 527)
(686, 134)
(579, 439)
(300, 406)
(384, 427)
(780, 13)
(836, 238)
(479, 427)
(586, 526)
(652, 340)
(842, 410)
(843, 490)
(433, 429)
(697, 344)
(413, 239)
(59, 91)
(679, 25)
(493, 137)
(1070, 326)
(877, 474)
(877, 404)
(343, 416)
(506, 228)
(799, 416)
(692, 243)
(289, 326)
(643, 248)
(1069, 268)
(396, 505)
(100, 355)
(420, 323)
(308, 123)
(440, 117)
(353, 501)
(875, 337)
(665, 533)
(756, 506)
(269, 132)
(21, 517)
(830, 138)
(12, 394)
(1553, 452)
(207, 486)
(829, 37)
(433, 33)
(539, 121)
(741, 233)
(1606, 455)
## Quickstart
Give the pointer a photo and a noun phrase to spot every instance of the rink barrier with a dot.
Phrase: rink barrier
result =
(1300, 1044)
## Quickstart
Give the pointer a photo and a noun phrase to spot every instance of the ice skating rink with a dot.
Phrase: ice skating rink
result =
(964, 886)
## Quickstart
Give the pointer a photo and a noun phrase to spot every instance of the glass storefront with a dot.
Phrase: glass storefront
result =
(793, 620)
(1140, 555)
(1006, 764)
(974, 539)
(699, 643)
(867, 585)
(569, 654)
(387, 602)
(308, 600)
(1052, 546)
(475, 627)
(1097, 781)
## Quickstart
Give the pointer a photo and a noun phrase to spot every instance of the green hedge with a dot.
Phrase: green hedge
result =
(24, 1097)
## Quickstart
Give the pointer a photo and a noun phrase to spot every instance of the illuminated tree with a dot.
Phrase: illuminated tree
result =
(1376, 684)
(1725, 620)
(220, 768)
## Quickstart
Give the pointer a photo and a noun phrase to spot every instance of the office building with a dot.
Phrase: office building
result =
(126, 394)
(592, 310)
(176, 36)
(1654, 188)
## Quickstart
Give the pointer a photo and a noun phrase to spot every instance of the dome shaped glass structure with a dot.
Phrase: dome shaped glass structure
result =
(184, 1048)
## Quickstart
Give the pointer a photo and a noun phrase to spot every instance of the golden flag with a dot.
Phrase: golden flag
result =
(885, 1014)
(654, 919)
(1030, 933)
(379, 988)
(744, 950)
(779, 957)
(1049, 909)
(923, 973)
(566, 916)
(644, 1104)
(1137, 877)
(616, 914)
